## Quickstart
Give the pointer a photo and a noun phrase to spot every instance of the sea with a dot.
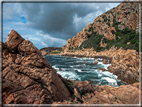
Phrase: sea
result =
(81, 69)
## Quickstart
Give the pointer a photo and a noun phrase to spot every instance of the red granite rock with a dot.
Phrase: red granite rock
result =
(13, 40)
(28, 78)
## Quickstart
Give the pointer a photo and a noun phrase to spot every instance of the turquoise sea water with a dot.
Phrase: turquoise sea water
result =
(81, 69)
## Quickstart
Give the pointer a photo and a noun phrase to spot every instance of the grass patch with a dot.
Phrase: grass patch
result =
(53, 52)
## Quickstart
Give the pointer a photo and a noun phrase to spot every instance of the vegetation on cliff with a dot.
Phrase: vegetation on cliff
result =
(117, 27)
(51, 50)
(126, 38)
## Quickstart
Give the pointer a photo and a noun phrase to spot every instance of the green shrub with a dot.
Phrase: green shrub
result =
(118, 13)
(108, 20)
(105, 18)
(99, 20)
(108, 23)
(112, 31)
(90, 29)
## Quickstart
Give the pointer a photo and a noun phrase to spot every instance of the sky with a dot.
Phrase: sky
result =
(50, 24)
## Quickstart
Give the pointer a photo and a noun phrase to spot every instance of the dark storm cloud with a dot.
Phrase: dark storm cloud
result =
(57, 19)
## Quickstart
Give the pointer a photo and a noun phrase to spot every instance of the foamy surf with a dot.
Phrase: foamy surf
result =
(81, 69)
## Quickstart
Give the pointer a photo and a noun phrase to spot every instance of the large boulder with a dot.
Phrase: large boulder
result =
(125, 94)
(13, 40)
(28, 78)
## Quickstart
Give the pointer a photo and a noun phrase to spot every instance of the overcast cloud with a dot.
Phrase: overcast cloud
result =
(49, 24)
(61, 20)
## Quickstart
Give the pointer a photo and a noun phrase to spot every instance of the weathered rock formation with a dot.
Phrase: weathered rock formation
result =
(86, 93)
(124, 15)
(27, 77)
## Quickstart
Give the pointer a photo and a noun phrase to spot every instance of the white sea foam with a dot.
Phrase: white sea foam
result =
(71, 66)
(100, 62)
(110, 74)
(106, 65)
(99, 75)
(77, 65)
(84, 58)
(69, 75)
(110, 80)
(79, 70)
(54, 66)
(84, 70)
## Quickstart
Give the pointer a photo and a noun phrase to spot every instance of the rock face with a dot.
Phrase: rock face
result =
(28, 78)
(43, 52)
(126, 66)
(13, 40)
(125, 15)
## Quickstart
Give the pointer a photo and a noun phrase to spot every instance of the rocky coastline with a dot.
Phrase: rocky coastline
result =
(124, 63)
(28, 78)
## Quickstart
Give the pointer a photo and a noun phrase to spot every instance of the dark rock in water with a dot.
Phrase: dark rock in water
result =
(103, 69)
(60, 69)
(28, 78)
(105, 62)
(96, 62)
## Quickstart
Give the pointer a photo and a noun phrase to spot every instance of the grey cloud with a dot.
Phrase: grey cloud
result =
(57, 19)
(9, 12)
(47, 40)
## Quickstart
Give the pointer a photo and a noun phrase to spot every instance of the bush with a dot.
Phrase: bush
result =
(118, 13)
(105, 18)
(112, 31)
(108, 23)
(99, 20)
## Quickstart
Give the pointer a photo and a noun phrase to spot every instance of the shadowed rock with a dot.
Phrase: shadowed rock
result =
(28, 78)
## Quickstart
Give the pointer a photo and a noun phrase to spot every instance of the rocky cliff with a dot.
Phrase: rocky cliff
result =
(27, 77)
(108, 26)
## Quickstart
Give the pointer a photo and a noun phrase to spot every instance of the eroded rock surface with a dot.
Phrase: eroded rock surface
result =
(28, 78)
(125, 94)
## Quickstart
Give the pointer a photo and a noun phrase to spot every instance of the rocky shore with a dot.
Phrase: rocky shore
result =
(28, 78)
(124, 63)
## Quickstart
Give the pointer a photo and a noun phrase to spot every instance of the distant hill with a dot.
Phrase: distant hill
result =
(49, 49)
(116, 27)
